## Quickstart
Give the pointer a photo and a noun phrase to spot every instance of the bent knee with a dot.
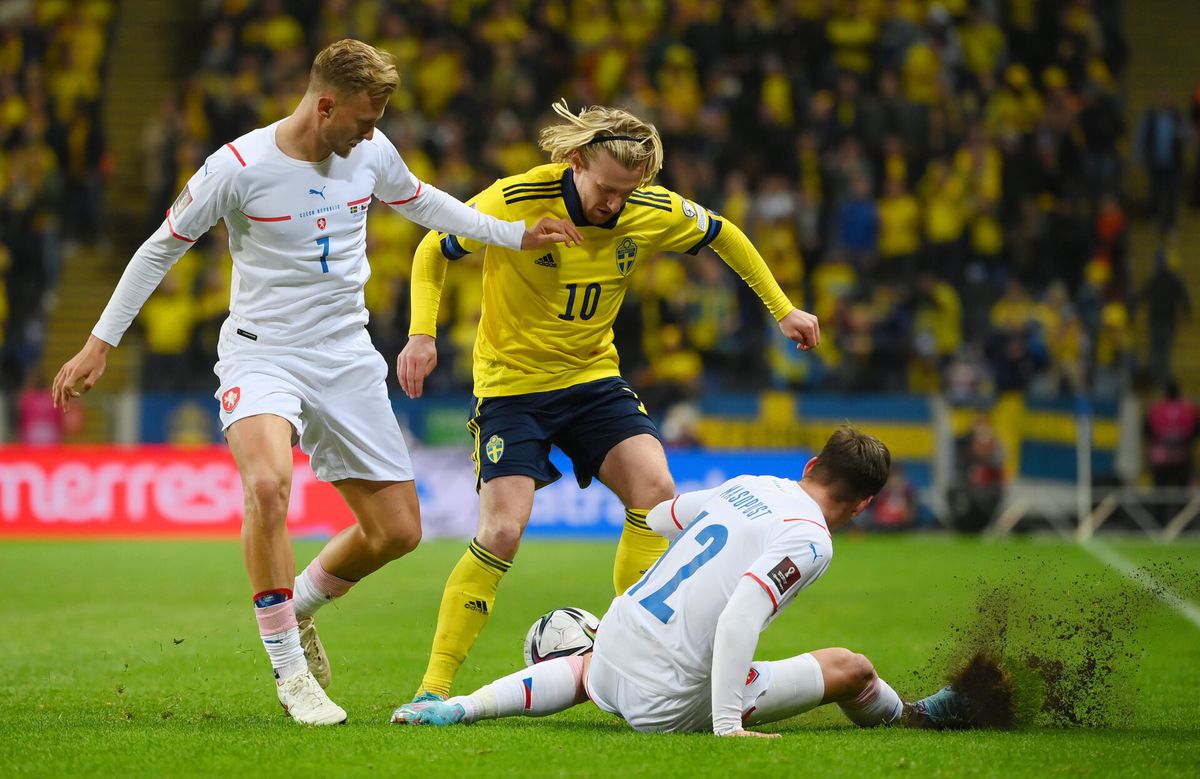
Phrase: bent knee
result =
(860, 669)
(266, 494)
(652, 490)
(501, 538)
(396, 541)
(855, 672)
(663, 488)
(852, 671)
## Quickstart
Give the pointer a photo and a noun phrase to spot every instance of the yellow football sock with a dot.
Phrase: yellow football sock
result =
(466, 603)
(637, 550)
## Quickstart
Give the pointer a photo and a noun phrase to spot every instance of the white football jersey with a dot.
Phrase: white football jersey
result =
(297, 234)
(763, 527)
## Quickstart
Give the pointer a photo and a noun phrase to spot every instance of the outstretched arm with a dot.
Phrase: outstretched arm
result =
(208, 196)
(732, 246)
(142, 276)
(88, 365)
(430, 207)
(801, 327)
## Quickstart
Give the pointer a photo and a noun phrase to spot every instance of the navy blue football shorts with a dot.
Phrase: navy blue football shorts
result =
(513, 434)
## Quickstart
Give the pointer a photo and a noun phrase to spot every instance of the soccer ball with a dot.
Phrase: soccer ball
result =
(560, 633)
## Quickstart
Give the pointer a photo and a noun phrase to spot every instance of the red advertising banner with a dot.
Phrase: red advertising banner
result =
(146, 491)
(164, 491)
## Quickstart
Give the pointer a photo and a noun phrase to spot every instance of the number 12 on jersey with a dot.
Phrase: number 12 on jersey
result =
(713, 539)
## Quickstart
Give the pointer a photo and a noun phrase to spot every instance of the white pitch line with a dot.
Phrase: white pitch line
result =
(1184, 607)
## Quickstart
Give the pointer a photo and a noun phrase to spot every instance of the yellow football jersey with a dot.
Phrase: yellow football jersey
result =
(547, 314)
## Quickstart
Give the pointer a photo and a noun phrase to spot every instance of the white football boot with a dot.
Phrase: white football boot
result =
(304, 700)
(314, 651)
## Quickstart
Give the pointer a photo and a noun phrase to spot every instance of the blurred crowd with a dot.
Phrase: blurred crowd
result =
(939, 180)
(52, 163)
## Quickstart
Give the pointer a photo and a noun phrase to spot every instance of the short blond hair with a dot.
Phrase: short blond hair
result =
(634, 144)
(350, 67)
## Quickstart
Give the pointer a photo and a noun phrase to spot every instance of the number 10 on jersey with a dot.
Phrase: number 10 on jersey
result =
(587, 308)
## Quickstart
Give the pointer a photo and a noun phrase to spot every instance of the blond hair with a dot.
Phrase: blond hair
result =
(350, 67)
(634, 144)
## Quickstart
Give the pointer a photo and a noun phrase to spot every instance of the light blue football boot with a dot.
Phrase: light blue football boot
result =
(945, 709)
(433, 711)
(424, 696)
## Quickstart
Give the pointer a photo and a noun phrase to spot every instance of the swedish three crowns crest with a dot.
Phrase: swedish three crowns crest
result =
(626, 255)
(495, 448)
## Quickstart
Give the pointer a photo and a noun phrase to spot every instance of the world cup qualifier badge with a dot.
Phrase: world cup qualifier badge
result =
(495, 448)
(183, 201)
(230, 398)
(784, 575)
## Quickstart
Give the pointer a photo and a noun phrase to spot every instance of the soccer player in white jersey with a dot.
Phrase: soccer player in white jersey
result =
(296, 363)
(675, 651)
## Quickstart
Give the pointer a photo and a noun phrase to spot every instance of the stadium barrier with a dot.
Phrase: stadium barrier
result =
(1057, 450)
(1161, 512)
(158, 490)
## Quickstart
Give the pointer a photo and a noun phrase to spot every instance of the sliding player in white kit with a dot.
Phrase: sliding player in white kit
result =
(675, 651)
(296, 362)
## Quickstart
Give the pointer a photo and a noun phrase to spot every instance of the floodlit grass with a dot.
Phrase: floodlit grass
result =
(142, 659)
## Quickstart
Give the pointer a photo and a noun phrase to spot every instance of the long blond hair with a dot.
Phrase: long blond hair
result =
(349, 67)
(631, 142)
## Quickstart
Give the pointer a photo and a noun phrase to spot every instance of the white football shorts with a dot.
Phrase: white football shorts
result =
(334, 393)
(688, 708)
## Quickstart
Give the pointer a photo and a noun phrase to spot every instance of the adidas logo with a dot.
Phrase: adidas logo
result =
(477, 605)
(546, 261)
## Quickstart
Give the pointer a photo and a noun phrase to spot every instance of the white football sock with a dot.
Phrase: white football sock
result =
(788, 687)
(878, 704)
(315, 587)
(287, 656)
(281, 638)
(542, 689)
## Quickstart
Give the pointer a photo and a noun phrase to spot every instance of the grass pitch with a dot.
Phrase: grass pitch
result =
(142, 659)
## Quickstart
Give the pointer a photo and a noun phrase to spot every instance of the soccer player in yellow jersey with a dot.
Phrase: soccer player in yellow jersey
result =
(545, 368)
